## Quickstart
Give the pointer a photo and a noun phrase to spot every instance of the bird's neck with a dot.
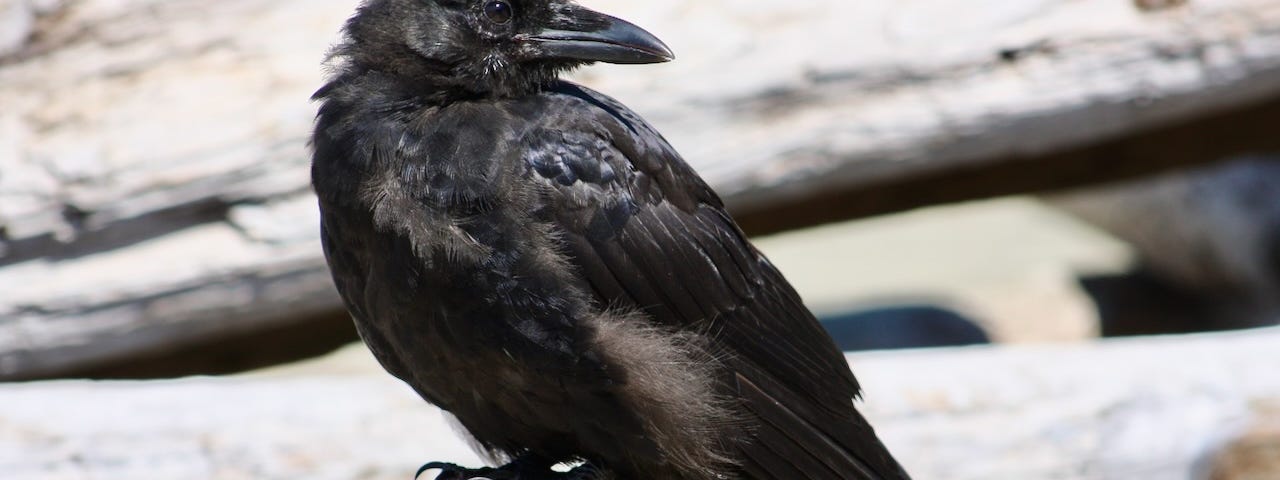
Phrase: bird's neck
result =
(434, 80)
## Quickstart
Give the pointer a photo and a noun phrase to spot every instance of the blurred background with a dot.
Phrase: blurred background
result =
(980, 196)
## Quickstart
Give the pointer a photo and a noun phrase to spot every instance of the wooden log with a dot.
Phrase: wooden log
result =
(1155, 408)
(153, 161)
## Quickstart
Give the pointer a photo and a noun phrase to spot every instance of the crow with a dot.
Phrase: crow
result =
(534, 258)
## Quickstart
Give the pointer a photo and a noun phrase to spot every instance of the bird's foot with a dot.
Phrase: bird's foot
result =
(512, 471)
(450, 471)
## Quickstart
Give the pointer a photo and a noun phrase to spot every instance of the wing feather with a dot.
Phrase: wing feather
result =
(655, 238)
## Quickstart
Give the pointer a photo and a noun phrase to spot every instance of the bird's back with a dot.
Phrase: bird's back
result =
(677, 256)
(549, 270)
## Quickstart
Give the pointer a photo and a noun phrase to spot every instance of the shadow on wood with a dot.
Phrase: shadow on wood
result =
(307, 338)
(1203, 140)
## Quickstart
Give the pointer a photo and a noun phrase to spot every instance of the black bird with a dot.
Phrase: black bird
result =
(534, 258)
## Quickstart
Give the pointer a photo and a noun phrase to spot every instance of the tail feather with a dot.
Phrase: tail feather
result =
(795, 441)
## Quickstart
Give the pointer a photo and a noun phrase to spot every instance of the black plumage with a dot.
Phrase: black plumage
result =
(533, 257)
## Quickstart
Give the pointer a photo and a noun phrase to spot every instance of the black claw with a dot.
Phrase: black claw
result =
(451, 471)
(517, 470)
(444, 467)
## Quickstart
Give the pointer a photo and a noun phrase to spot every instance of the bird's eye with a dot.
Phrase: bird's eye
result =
(498, 11)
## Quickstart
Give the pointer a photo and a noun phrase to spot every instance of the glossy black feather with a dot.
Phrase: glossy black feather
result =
(681, 259)
(533, 257)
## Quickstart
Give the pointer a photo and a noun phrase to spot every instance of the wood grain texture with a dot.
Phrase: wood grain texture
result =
(153, 184)
(1155, 408)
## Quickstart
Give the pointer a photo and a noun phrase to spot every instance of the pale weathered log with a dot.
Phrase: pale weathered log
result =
(153, 167)
(1150, 409)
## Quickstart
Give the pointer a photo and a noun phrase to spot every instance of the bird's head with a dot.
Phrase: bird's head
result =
(500, 47)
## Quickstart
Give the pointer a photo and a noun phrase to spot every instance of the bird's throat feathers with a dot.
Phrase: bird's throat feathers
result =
(489, 77)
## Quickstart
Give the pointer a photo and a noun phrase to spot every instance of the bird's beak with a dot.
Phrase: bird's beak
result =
(583, 34)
